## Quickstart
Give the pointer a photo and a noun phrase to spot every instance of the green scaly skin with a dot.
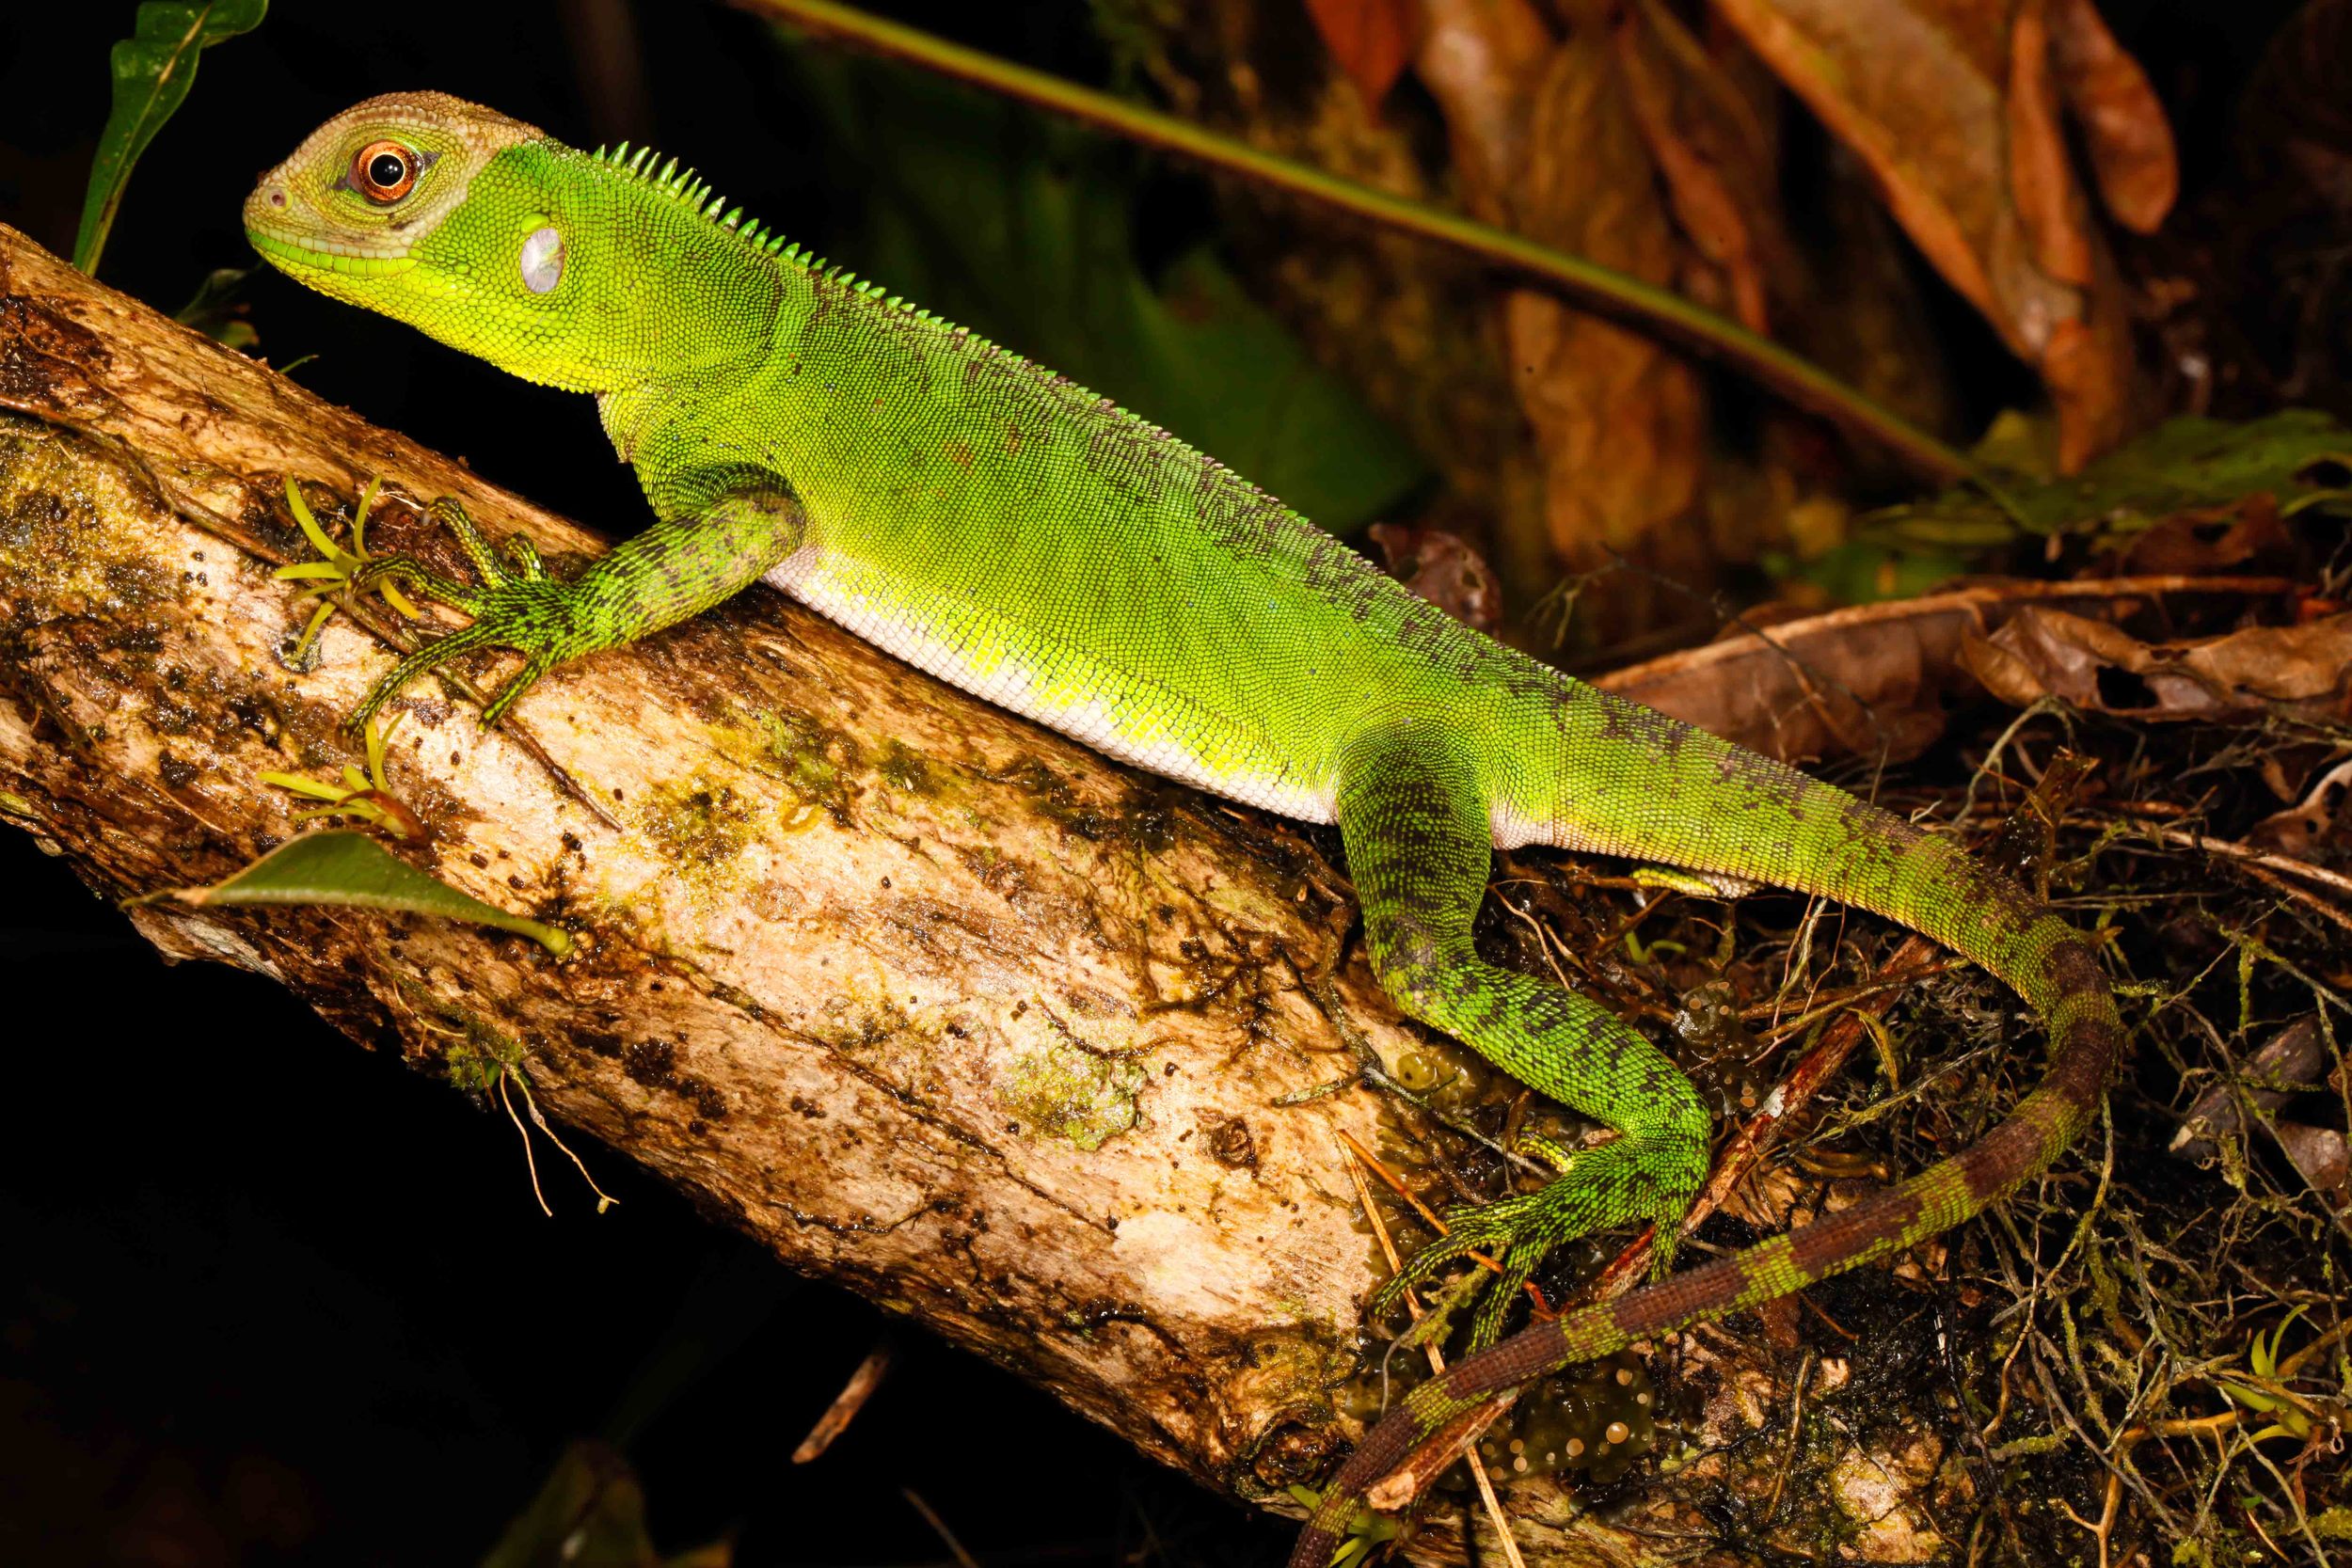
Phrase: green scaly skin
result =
(1035, 544)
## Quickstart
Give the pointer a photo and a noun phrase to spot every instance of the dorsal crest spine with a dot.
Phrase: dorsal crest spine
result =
(647, 165)
(697, 197)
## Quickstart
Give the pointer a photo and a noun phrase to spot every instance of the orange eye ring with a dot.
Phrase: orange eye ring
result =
(384, 171)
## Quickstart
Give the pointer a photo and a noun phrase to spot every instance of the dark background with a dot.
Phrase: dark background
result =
(268, 1298)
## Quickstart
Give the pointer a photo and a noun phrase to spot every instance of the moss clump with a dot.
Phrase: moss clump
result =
(904, 768)
(696, 822)
(816, 761)
(1063, 1091)
(73, 525)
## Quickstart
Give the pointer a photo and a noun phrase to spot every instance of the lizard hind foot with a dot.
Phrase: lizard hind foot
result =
(1627, 1182)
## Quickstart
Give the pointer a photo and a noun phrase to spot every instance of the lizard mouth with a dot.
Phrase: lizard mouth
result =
(272, 224)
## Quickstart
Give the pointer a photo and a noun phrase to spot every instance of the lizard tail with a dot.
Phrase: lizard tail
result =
(1865, 857)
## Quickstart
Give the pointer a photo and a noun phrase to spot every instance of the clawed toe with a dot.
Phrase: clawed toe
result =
(1599, 1189)
(514, 603)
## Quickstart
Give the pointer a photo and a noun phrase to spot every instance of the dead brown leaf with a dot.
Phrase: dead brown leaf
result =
(1480, 60)
(2041, 179)
(1370, 40)
(1868, 680)
(1547, 145)
(1710, 150)
(1954, 105)
(2045, 652)
(2212, 539)
(2129, 141)
(1444, 568)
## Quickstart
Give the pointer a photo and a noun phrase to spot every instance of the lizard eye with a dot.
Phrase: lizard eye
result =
(383, 171)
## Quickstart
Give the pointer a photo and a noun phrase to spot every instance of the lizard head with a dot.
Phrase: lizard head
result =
(441, 214)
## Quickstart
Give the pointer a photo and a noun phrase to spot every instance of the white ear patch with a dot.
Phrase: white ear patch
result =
(543, 260)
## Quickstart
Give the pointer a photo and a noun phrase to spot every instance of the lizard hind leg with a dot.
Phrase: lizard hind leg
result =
(1413, 814)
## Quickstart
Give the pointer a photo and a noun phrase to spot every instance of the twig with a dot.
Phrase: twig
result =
(1796, 1436)
(2285, 865)
(1396, 1184)
(1436, 1356)
(939, 1525)
(847, 1404)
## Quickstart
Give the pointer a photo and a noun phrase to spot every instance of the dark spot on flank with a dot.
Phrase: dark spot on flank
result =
(1864, 817)
(1641, 726)
(2071, 969)
(1126, 457)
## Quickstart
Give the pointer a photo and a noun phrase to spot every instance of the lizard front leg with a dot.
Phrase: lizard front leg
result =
(1414, 816)
(723, 530)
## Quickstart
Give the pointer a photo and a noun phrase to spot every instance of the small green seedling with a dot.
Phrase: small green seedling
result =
(366, 796)
(336, 568)
(2262, 1359)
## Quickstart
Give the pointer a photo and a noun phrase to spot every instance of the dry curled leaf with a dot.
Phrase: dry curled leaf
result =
(2306, 829)
(1444, 568)
(1955, 108)
(1864, 681)
(1547, 145)
(1712, 153)
(2041, 652)
(2206, 540)
(2124, 131)
(2041, 177)
(1868, 680)
(1480, 60)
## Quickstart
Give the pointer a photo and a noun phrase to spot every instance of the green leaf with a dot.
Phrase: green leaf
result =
(1025, 231)
(2300, 457)
(153, 68)
(591, 1513)
(354, 871)
(215, 313)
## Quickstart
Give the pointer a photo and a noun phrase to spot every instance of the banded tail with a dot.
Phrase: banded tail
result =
(1794, 832)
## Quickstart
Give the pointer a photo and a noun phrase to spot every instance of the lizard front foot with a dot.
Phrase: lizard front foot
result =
(517, 604)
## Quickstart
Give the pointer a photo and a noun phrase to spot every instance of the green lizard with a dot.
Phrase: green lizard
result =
(1031, 542)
